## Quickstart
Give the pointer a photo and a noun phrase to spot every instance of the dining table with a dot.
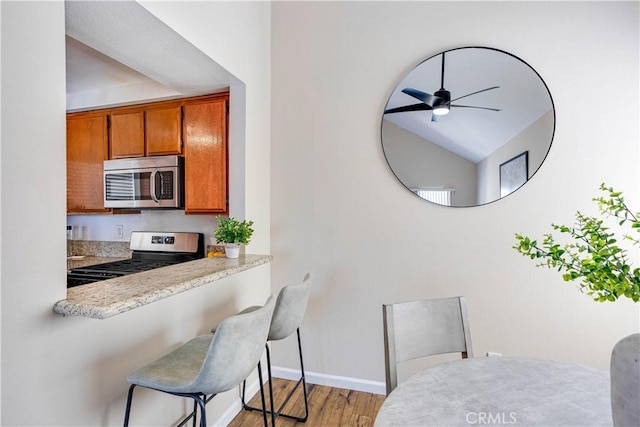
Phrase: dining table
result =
(516, 391)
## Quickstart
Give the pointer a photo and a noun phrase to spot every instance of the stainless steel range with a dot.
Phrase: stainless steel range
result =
(150, 250)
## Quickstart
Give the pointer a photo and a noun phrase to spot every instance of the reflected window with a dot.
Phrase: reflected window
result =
(441, 196)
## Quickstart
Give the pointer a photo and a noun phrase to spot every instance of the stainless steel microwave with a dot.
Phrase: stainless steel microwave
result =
(144, 182)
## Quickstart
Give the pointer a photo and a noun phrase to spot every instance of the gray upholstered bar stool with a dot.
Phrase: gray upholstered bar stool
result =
(288, 314)
(210, 364)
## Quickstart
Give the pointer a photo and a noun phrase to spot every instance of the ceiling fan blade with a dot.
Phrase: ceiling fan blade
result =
(472, 106)
(473, 93)
(422, 96)
(405, 108)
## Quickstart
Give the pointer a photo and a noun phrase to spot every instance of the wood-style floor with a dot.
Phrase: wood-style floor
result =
(328, 407)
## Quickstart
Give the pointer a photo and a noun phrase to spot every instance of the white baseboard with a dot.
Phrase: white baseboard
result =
(367, 386)
(229, 414)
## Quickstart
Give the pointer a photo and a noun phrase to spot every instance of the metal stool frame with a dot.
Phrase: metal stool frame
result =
(199, 401)
(302, 380)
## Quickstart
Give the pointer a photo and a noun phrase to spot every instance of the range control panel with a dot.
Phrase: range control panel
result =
(163, 240)
(166, 241)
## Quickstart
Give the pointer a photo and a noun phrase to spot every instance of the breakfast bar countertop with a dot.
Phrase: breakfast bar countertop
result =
(108, 298)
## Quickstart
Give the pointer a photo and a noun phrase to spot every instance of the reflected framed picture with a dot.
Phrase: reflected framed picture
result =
(514, 173)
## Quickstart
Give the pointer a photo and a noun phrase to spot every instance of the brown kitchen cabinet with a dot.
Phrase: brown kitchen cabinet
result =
(163, 130)
(87, 148)
(204, 128)
(126, 134)
(146, 130)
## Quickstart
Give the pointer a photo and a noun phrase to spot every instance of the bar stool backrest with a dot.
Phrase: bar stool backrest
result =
(235, 349)
(290, 308)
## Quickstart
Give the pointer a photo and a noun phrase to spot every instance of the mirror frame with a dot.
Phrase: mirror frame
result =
(530, 171)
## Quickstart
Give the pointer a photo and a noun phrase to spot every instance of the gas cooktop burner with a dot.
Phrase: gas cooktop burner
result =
(150, 250)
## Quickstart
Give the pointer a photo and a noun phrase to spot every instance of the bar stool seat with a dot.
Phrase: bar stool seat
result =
(209, 364)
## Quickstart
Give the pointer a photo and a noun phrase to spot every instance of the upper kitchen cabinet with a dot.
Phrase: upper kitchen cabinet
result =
(87, 148)
(126, 133)
(204, 128)
(146, 130)
(163, 131)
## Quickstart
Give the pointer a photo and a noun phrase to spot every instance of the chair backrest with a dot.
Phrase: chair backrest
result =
(418, 329)
(290, 308)
(625, 382)
(235, 350)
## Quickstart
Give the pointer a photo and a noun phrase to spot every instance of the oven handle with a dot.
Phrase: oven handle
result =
(152, 183)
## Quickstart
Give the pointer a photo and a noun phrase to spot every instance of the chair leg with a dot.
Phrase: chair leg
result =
(198, 401)
(264, 404)
(302, 380)
(127, 411)
(273, 415)
(203, 417)
(244, 387)
(195, 412)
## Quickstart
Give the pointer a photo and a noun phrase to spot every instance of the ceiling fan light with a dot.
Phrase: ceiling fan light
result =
(441, 110)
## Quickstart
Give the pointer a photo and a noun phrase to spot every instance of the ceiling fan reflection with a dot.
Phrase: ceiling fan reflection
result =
(440, 103)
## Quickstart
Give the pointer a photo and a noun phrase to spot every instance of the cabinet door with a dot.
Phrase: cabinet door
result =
(205, 152)
(87, 148)
(126, 133)
(163, 131)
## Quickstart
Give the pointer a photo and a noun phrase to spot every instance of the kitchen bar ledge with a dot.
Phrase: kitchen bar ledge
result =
(108, 298)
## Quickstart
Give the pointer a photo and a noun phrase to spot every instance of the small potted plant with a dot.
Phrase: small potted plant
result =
(233, 233)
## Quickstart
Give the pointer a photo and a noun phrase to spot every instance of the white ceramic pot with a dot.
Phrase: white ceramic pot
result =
(232, 250)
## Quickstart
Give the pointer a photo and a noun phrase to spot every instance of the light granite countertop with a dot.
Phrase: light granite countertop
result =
(84, 261)
(108, 298)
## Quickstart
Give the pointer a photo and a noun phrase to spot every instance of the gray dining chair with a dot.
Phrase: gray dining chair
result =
(210, 364)
(418, 329)
(625, 382)
(288, 314)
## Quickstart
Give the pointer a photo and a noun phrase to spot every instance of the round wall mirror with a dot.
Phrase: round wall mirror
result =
(468, 126)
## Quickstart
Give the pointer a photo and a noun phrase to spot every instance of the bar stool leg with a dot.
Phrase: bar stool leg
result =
(127, 412)
(302, 380)
(273, 414)
(264, 404)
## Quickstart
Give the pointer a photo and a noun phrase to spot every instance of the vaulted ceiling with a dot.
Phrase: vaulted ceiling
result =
(522, 98)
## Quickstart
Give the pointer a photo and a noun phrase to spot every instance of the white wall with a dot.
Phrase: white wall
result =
(338, 211)
(72, 371)
(419, 163)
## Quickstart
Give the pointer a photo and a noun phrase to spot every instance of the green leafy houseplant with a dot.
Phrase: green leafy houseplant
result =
(230, 230)
(593, 255)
